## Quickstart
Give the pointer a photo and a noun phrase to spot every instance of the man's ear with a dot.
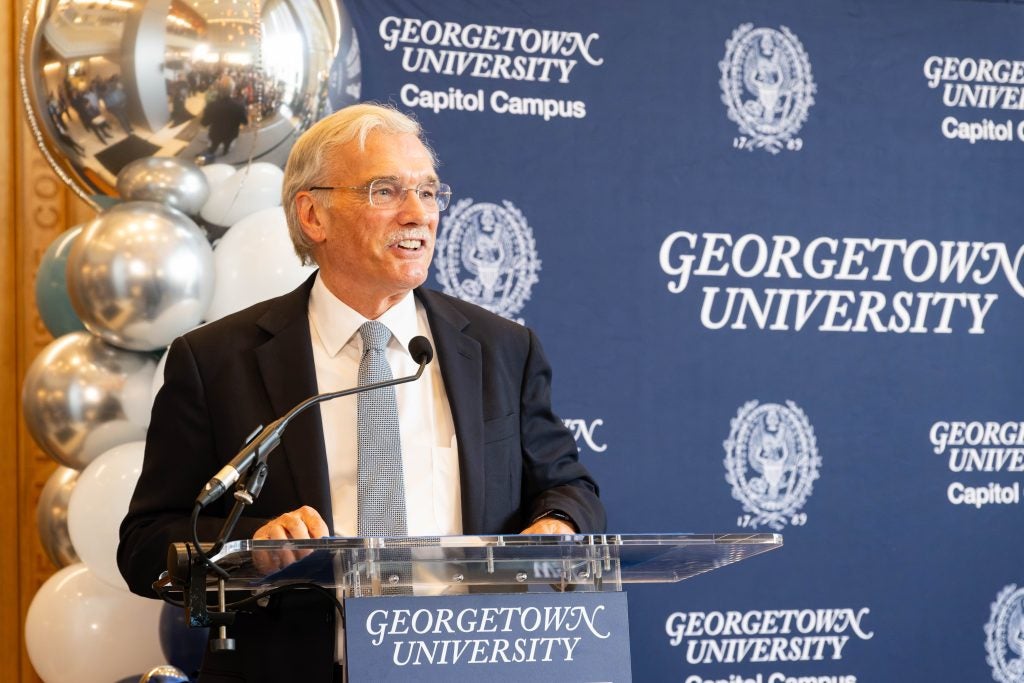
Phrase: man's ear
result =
(311, 217)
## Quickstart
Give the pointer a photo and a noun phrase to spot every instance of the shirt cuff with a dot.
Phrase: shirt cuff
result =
(560, 516)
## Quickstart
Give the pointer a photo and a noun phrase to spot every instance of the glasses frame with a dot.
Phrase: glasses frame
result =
(443, 190)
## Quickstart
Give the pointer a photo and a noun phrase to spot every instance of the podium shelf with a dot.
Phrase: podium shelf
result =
(452, 564)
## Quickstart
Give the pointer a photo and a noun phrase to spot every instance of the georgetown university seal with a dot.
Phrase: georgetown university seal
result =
(1004, 636)
(771, 460)
(486, 255)
(767, 86)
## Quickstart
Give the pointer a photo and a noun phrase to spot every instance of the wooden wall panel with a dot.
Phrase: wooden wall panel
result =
(10, 624)
(35, 207)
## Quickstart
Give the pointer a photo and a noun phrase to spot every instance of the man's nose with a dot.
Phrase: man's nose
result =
(411, 207)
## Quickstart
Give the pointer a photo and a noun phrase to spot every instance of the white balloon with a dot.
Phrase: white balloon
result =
(250, 189)
(98, 503)
(158, 377)
(216, 174)
(138, 399)
(254, 261)
(80, 630)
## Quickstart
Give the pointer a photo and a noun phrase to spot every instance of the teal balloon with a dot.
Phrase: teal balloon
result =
(52, 297)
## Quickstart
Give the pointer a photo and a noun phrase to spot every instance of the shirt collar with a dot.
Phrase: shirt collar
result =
(337, 323)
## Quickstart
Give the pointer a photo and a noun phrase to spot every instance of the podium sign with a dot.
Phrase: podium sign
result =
(537, 637)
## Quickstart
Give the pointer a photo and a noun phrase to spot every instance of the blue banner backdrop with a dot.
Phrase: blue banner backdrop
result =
(773, 250)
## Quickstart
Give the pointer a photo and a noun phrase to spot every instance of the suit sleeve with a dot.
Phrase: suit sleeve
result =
(179, 459)
(553, 478)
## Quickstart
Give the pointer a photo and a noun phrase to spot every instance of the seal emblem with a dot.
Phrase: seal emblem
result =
(486, 254)
(771, 461)
(767, 86)
(1004, 636)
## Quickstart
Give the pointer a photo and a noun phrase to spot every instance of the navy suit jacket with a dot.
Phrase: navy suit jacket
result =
(516, 459)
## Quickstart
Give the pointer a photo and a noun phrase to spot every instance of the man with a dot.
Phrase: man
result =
(481, 450)
(224, 115)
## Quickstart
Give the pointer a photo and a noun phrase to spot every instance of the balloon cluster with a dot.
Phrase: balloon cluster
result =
(115, 292)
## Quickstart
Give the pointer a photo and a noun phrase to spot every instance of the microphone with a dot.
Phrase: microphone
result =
(264, 440)
(421, 350)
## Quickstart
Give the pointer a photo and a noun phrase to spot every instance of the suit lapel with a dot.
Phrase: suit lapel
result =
(462, 371)
(286, 366)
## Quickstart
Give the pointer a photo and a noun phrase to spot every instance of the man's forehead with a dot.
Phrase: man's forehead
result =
(384, 154)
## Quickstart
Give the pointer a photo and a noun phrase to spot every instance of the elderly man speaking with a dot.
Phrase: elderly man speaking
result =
(473, 447)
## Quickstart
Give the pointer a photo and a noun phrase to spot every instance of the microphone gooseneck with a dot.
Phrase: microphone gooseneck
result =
(258, 447)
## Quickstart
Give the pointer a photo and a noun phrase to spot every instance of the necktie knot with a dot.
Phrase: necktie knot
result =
(375, 336)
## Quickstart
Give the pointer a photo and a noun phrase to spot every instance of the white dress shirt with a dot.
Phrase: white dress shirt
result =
(430, 461)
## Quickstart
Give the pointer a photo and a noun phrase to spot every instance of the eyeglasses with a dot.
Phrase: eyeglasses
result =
(387, 193)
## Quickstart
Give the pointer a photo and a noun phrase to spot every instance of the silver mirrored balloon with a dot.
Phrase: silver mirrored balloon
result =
(82, 397)
(140, 275)
(164, 674)
(107, 83)
(175, 182)
(52, 516)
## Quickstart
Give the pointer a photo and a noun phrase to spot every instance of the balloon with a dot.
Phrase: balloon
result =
(141, 91)
(217, 174)
(80, 630)
(255, 261)
(82, 397)
(52, 516)
(158, 376)
(247, 191)
(140, 275)
(175, 182)
(98, 504)
(163, 674)
(52, 298)
(183, 646)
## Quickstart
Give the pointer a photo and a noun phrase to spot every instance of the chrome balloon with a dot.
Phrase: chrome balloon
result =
(82, 397)
(164, 674)
(175, 182)
(107, 83)
(140, 275)
(52, 516)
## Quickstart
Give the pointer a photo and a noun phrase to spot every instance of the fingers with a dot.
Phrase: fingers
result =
(265, 562)
(304, 523)
(315, 524)
(550, 526)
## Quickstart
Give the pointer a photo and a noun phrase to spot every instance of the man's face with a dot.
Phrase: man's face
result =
(373, 253)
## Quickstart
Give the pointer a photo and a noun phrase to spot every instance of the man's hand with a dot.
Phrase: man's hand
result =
(549, 525)
(297, 524)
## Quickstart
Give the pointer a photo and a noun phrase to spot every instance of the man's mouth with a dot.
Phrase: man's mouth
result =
(411, 245)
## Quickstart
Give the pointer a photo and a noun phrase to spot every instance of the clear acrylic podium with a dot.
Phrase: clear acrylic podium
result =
(448, 566)
(362, 567)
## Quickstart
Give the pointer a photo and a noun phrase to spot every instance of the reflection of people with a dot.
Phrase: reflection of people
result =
(86, 105)
(481, 451)
(224, 115)
(178, 90)
(56, 114)
(116, 102)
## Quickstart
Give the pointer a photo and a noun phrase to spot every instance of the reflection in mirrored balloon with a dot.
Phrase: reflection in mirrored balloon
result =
(226, 81)
(140, 275)
(82, 397)
(52, 516)
(168, 180)
(52, 298)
